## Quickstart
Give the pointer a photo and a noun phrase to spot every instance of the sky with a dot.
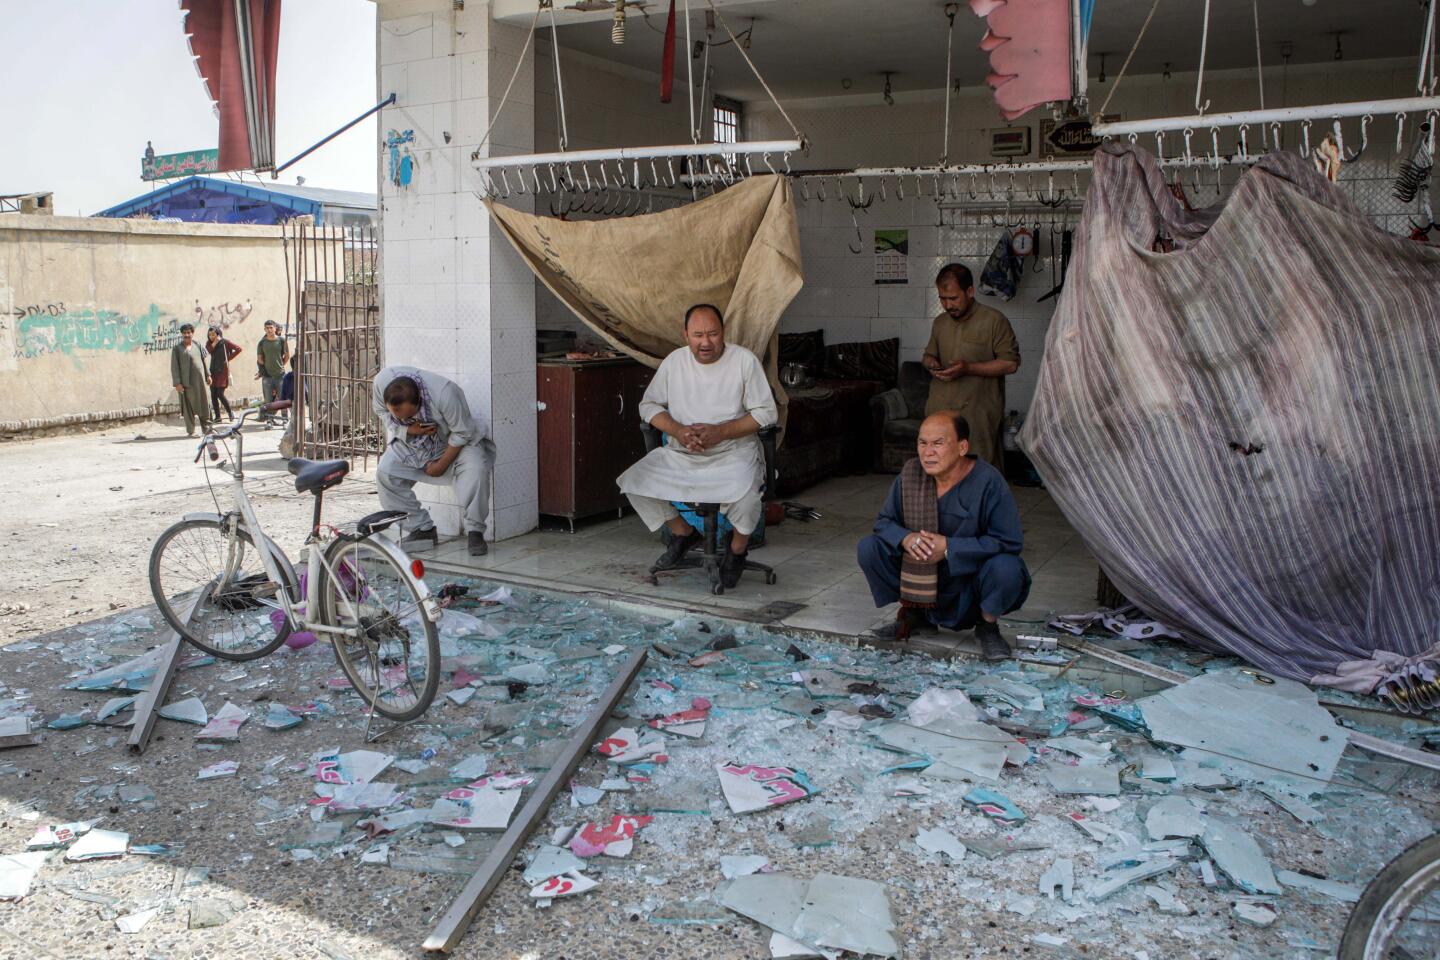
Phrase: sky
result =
(89, 81)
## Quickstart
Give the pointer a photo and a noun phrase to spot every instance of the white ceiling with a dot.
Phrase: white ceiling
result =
(805, 48)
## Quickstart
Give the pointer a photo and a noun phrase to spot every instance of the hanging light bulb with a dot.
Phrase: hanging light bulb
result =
(1339, 51)
(617, 27)
(889, 97)
(1166, 74)
(1101, 78)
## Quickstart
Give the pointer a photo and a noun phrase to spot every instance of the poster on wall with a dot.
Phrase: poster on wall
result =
(892, 256)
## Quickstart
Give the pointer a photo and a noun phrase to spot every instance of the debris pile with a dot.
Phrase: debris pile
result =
(842, 799)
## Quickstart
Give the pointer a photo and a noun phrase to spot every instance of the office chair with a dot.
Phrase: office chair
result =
(709, 560)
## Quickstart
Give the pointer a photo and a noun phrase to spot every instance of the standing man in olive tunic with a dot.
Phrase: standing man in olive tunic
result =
(972, 350)
(191, 375)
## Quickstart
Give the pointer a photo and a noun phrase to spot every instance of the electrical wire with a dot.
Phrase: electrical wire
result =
(755, 70)
(559, 83)
(690, 75)
(1129, 56)
(949, 45)
(1259, 68)
(519, 62)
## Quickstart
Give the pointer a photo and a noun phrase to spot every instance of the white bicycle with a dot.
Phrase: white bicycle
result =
(225, 586)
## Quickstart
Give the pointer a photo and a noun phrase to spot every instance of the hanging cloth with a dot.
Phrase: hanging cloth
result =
(1243, 431)
(630, 280)
(667, 58)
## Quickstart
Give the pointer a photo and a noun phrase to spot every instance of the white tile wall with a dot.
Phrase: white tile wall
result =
(446, 283)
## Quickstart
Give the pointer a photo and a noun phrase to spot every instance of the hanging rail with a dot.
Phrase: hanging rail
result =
(639, 153)
(1005, 169)
(1327, 111)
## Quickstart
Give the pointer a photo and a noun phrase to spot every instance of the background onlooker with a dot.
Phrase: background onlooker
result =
(220, 352)
(271, 356)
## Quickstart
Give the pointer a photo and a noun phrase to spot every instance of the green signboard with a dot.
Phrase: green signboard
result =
(169, 165)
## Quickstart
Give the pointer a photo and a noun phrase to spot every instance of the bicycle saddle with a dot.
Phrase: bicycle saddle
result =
(313, 476)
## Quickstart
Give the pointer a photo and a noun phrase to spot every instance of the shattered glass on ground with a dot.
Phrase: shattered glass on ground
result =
(755, 791)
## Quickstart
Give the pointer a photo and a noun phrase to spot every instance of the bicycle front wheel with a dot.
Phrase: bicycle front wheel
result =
(1398, 915)
(392, 655)
(234, 622)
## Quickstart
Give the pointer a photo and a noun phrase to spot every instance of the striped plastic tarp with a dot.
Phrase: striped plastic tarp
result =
(1246, 430)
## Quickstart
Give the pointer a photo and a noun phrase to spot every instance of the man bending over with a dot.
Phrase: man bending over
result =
(430, 437)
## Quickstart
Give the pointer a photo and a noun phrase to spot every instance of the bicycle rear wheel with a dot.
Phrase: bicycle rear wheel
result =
(234, 622)
(394, 660)
(1398, 916)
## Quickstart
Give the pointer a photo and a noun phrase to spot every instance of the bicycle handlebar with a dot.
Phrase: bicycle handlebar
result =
(208, 443)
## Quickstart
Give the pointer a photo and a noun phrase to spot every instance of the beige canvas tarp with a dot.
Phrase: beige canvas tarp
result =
(631, 280)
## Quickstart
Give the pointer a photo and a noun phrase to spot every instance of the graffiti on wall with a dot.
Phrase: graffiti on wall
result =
(52, 328)
(402, 162)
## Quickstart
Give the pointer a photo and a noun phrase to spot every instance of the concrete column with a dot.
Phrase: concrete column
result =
(455, 297)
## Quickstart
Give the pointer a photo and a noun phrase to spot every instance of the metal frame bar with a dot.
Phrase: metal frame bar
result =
(640, 153)
(274, 174)
(1324, 111)
(148, 705)
(458, 916)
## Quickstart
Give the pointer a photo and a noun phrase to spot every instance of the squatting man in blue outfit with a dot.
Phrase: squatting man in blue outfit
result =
(947, 542)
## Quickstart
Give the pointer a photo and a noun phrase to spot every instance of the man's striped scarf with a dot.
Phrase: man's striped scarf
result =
(920, 510)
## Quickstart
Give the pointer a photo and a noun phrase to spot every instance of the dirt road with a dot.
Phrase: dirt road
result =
(79, 513)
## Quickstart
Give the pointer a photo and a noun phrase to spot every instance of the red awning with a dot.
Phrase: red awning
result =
(235, 43)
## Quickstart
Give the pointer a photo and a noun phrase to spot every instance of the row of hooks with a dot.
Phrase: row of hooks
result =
(943, 186)
(634, 174)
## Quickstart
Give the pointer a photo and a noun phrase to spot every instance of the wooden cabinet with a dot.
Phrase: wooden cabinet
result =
(589, 432)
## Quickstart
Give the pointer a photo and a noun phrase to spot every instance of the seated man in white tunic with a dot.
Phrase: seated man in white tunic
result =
(709, 399)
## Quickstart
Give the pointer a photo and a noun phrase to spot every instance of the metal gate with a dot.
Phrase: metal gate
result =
(337, 321)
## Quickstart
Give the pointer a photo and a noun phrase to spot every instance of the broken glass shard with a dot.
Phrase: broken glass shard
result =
(98, 845)
(1344, 892)
(749, 787)
(189, 710)
(564, 885)
(551, 861)
(17, 872)
(939, 841)
(1238, 856)
(741, 866)
(469, 808)
(847, 913)
(1102, 781)
(1174, 817)
(1275, 733)
(225, 725)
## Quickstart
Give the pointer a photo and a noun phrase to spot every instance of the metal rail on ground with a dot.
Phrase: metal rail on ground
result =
(148, 705)
(457, 917)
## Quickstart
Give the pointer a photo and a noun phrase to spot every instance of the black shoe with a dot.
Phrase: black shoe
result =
(992, 646)
(675, 552)
(909, 622)
(421, 538)
(475, 540)
(731, 568)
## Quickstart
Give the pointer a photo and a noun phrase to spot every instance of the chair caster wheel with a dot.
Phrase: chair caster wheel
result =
(770, 579)
(718, 589)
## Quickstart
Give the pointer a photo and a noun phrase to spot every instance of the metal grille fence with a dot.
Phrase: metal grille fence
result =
(337, 318)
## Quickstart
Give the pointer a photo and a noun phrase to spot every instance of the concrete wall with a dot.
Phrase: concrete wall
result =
(89, 307)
